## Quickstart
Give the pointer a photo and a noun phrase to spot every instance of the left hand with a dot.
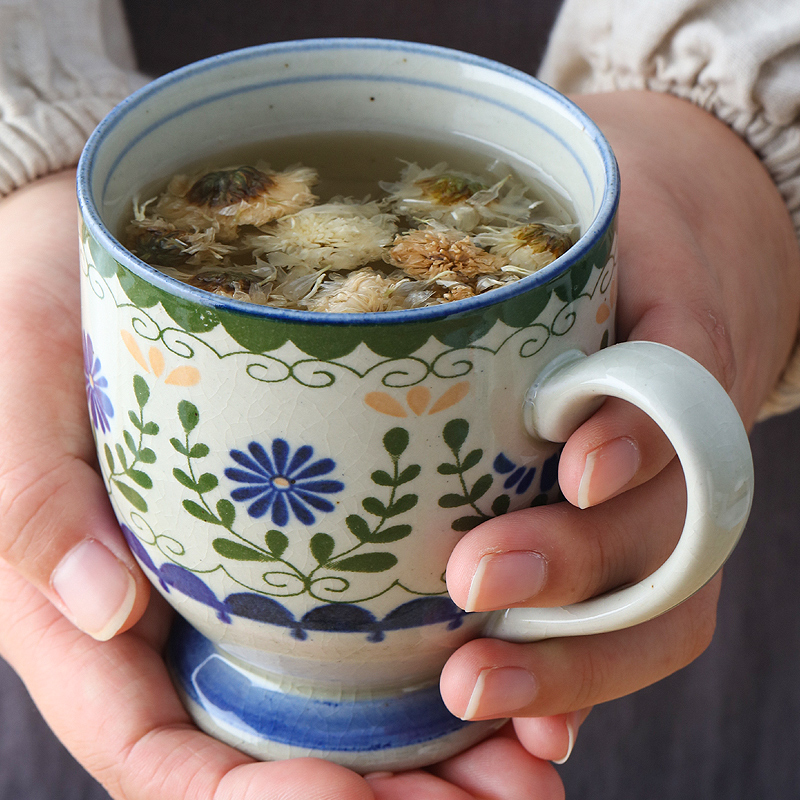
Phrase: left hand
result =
(111, 703)
(708, 263)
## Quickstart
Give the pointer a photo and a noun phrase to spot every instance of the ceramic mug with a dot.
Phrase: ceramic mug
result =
(294, 482)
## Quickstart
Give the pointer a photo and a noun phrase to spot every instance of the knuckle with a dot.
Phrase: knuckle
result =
(722, 357)
(28, 495)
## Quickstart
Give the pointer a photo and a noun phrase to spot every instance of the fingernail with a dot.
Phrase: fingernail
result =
(378, 776)
(499, 691)
(502, 579)
(608, 469)
(95, 588)
(573, 721)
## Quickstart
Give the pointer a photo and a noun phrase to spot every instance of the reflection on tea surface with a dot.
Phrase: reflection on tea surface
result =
(351, 222)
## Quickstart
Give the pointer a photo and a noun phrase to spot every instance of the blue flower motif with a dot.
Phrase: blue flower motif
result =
(99, 404)
(519, 479)
(283, 482)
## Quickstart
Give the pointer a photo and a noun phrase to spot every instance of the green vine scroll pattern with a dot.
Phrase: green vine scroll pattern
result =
(397, 356)
(471, 491)
(127, 464)
(286, 578)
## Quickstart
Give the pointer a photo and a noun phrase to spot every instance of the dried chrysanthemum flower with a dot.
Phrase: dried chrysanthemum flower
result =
(427, 252)
(340, 235)
(238, 287)
(363, 290)
(227, 198)
(528, 247)
(161, 244)
(455, 199)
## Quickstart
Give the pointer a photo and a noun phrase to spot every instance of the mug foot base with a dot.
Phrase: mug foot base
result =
(272, 721)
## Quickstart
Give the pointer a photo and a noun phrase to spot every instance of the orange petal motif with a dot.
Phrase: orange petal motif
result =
(455, 394)
(134, 350)
(183, 376)
(418, 399)
(156, 361)
(385, 404)
(603, 313)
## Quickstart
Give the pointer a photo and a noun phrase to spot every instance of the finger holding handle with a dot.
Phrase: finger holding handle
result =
(703, 426)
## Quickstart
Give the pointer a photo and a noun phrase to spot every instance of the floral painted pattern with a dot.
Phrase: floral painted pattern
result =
(519, 478)
(99, 404)
(281, 482)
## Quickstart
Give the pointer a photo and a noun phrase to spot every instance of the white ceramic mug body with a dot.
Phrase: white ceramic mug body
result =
(294, 482)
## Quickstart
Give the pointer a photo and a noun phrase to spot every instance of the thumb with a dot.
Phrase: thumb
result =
(59, 532)
(57, 528)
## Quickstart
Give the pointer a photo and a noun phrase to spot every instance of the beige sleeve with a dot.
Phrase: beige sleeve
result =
(63, 65)
(738, 59)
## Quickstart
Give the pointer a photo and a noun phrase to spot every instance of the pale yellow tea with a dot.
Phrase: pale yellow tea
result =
(351, 223)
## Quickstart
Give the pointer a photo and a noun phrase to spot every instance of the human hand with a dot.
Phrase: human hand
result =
(708, 263)
(63, 561)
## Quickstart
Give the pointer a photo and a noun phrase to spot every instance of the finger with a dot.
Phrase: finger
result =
(500, 768)
(114, 707)
(620, 447)
(57, 528)
(550, 738)
(488, 678)
(556, 555)
(669, 292)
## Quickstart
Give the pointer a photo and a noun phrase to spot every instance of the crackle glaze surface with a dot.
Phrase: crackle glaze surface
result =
(308, 491)
(294, 483)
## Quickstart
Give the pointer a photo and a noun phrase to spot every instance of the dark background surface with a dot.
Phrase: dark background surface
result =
(725, 728)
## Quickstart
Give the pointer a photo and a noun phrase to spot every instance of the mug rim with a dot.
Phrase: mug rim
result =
(91, 216)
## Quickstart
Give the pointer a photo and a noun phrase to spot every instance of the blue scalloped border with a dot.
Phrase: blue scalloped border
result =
(328, 617)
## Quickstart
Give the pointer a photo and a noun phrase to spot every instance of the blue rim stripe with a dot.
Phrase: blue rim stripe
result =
(98, 230)
(229, 696)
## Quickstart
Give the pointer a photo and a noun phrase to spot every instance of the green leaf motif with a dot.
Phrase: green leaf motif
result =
(227, 512)
(405, 503)
(382, 478)
(455, 433)
(141, 389)
(197, 511)
(131, 495)
(448, 469)
(199, 451)
(142, 478)
(500, 504)
(396, 441)
(134, 418)
(322, 547)
(121, 456)
(393, 534)
(464, 524)
(471, 460)
(206, 482)
(453, 500)
(147, 456)
(480, 487)
(277, 543)
(179, 446)
(358, 527)
(374, 506)
(238, 552)
(184, 479)
(130, 441)
(150, 429)
(408, 474)
(366, 562)
(109, 458)
(188, 415)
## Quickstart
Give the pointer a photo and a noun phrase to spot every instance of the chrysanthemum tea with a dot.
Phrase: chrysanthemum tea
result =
(351, 223)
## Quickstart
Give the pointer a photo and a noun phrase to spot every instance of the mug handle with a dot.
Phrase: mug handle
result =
(701, 422)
